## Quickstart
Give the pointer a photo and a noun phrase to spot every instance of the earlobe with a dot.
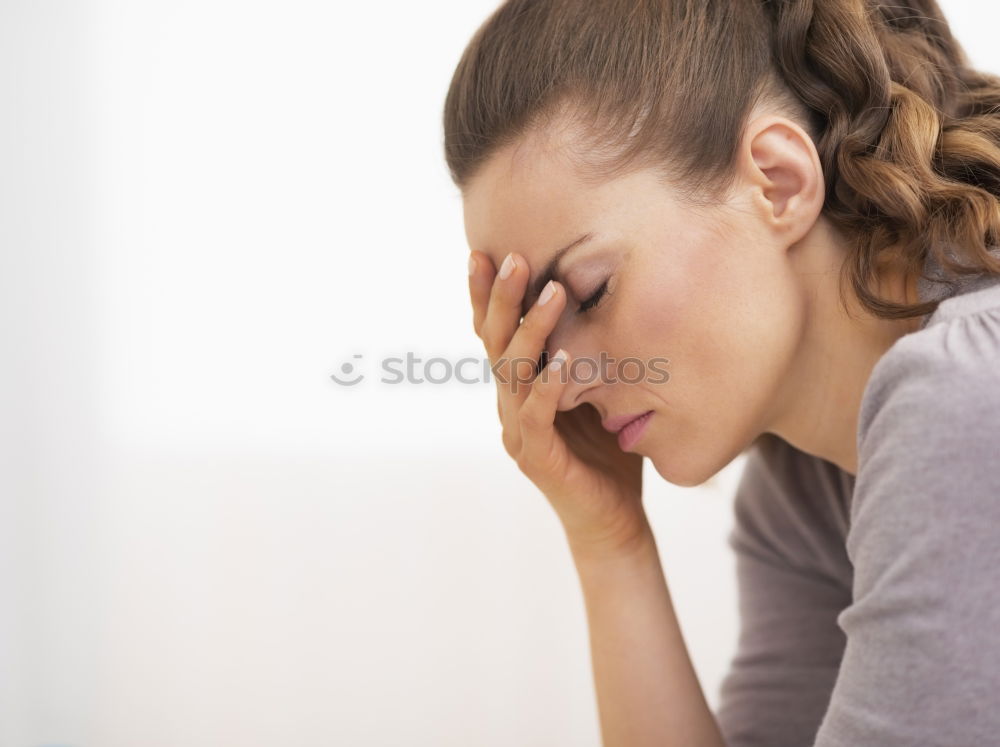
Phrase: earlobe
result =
(786, 173)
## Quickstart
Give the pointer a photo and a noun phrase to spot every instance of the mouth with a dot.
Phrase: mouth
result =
(630, 434)
(617, 423)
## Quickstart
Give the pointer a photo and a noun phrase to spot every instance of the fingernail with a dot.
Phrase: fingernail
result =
(557, 360)
(507, 267)
(472, 265)
(547, 292)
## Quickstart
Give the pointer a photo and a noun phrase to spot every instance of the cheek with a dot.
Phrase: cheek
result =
(700, 316)
(670, 310)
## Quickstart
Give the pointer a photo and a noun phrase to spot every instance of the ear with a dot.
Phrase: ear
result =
(780, 163)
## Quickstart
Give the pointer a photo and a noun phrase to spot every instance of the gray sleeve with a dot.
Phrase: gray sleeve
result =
(922, 659)
(793, 578)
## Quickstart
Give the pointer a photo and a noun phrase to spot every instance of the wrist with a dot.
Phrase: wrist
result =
(612, 546)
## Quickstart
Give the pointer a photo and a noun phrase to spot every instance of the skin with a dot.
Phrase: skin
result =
(741, 298)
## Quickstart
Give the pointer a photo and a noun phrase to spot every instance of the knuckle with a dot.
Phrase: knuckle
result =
(523, 369)
(490, 339)
(532, 329)
(537, 319)
(511, 443)
(529, 418)
(525, 462)
(501, 367)
(529, 462)
(499, 300)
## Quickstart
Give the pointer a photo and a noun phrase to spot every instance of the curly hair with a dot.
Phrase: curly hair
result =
(908, 134)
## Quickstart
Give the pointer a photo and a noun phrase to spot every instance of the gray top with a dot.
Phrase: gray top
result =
(870, 606)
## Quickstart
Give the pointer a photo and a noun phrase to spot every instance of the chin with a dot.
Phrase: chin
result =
(683, 474)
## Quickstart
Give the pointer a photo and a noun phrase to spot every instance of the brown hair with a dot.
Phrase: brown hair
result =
(907, 133)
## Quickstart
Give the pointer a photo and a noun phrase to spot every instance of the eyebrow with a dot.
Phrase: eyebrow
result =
(551, 272)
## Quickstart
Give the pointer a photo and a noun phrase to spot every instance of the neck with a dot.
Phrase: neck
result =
(820, 400)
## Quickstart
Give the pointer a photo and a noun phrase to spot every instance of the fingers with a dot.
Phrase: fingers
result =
(503, 312)
(481, 275)
(543, 453)
(528, 342)
(496, 301)
(514, 346)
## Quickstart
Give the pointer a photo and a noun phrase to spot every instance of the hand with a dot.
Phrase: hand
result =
(594, 486)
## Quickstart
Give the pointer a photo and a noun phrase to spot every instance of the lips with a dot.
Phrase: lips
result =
(616, 423)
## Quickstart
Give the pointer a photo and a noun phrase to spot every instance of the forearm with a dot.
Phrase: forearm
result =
(647, 689)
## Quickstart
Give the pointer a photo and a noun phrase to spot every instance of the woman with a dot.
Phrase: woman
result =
(795, 206)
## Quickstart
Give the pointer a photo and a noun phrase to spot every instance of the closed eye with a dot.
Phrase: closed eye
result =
(595, 299)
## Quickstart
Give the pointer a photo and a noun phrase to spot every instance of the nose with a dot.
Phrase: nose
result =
(583, 375)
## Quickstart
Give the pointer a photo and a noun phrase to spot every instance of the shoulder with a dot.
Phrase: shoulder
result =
(928, 431)
(936, 392)
(924, 540)
(938, 378)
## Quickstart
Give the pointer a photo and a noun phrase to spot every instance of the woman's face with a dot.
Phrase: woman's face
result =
(712, 291)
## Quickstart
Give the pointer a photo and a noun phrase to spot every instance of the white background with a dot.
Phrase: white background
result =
(207, 207)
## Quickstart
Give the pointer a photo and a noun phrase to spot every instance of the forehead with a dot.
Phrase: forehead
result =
(526, 199)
